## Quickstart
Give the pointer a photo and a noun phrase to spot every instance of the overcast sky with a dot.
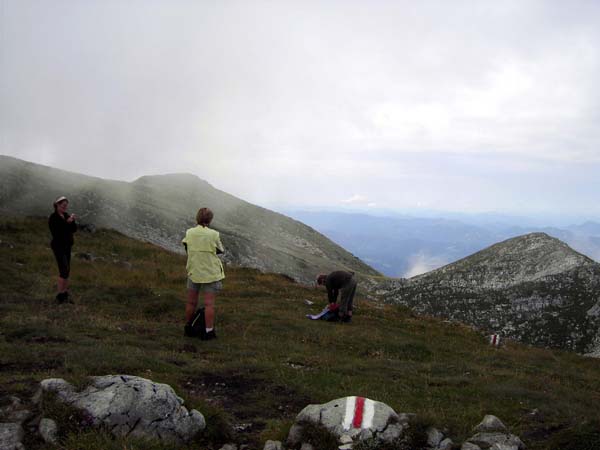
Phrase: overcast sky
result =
(451, 105)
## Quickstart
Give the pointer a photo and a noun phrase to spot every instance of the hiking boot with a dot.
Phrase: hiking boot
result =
(67, 298)
(187, 331)
(61, 297)
(210, 335)
(347, 319)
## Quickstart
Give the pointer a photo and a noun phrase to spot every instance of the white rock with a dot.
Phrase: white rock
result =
(486, 440)
(273, 445)
(446, 444)
(345, 439)
(11, 435)
(469, 446)
(504, 447)
(132, 406)
(392, 432)
(229, 447)
(337, 417)
(490, 423)
(434, 437)
(48, 430)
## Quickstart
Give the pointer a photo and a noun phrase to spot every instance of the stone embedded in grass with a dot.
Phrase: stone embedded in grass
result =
(490, 423)
(469, 446)
(48, 430)
(229, 447)
(497, 440)
(85, 256)
(273, 445)
(11, 435)
(131, 406)
(356, 418)
(446, 444)
(492, 434)
(434, 437)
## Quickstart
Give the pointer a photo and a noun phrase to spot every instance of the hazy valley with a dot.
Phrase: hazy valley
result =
(404, 246)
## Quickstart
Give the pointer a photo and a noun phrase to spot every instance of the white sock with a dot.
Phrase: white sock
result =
(208, 330)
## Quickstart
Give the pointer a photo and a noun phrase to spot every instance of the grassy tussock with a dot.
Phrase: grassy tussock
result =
(269, 361)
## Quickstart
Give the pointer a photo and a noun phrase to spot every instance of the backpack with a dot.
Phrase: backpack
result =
(332, 314)
(198, 325)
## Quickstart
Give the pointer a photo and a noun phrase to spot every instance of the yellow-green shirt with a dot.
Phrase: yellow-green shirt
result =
(203, 265)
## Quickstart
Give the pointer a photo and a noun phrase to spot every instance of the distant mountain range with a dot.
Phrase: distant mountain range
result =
(402, 246)
(159, 209)
(533, 288)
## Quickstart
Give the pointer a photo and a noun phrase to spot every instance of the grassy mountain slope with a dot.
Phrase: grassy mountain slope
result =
(533, 288)
(269, 361)
(159, 209)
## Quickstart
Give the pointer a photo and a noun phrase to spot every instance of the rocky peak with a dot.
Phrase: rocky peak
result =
(526, 258)
(181, 180)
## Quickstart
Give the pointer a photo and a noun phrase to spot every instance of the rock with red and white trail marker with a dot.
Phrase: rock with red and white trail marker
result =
(354, 418)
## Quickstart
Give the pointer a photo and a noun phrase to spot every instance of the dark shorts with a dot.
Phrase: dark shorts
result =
(213, 287)
(347, 294)
(63, 259)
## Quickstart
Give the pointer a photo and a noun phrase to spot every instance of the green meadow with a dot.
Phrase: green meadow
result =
(269, 361)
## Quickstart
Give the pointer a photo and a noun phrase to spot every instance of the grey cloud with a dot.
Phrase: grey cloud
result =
(435, 103)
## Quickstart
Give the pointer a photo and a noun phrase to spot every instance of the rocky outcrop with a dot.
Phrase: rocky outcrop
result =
(136, 407)
(532, 288)
(131, 406)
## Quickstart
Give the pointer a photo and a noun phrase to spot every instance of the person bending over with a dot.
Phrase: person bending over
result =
(62, 226)
(204, 269)
(336, 282)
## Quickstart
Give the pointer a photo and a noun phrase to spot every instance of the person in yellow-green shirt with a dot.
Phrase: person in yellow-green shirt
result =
(204, 270)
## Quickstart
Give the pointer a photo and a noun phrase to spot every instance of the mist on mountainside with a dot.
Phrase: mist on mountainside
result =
(159, 209)
(403, 246)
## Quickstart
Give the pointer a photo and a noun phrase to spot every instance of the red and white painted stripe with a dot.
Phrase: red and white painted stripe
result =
(495, 340)
(359, 413)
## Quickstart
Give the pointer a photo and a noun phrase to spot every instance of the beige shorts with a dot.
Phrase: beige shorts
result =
(213, 287)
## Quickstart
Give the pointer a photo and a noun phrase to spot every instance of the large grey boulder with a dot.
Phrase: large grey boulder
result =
(356, 418)
(131, 406)
(11, 435)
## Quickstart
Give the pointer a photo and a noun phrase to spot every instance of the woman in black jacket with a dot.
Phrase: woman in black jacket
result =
(62, 226)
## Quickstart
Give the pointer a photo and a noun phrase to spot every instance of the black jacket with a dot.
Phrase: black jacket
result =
(335, 281)
(62, 231)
